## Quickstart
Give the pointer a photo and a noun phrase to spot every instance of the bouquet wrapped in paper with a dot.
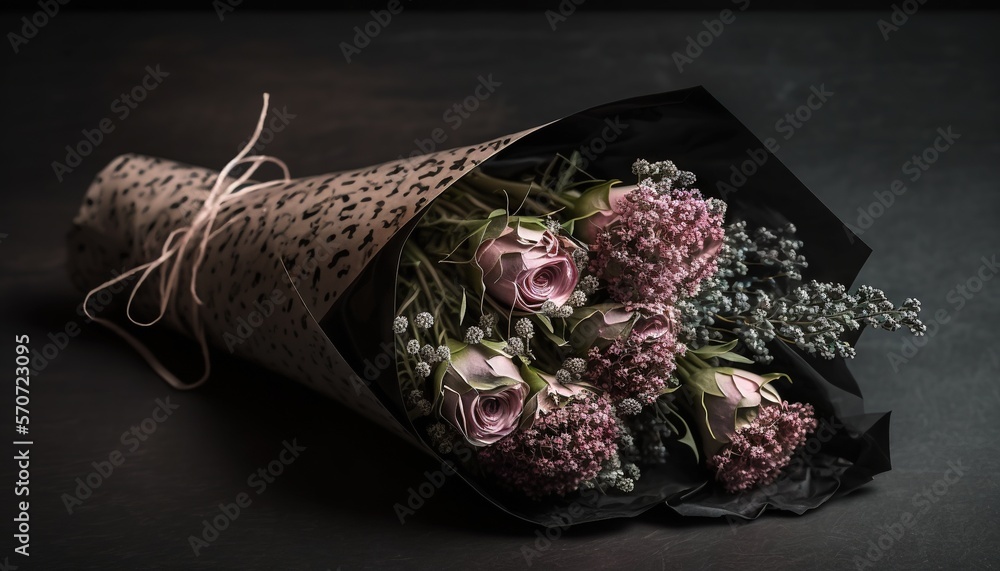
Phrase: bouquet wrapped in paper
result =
(585, 320)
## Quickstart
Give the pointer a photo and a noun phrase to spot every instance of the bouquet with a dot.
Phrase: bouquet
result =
(576, 333)
(573, 346)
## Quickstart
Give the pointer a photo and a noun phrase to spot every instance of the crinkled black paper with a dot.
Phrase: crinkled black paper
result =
(695, 131)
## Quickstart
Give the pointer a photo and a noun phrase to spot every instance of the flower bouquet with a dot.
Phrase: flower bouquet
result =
(577, 334)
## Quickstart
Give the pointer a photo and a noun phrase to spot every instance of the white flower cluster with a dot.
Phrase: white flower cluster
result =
(757, 296)
(551, 309)
(662, 175)
(425, 356)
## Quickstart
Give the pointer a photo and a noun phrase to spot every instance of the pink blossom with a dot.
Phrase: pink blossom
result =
(661, 249)
(562, 449)
(638, 366)
(758, 452)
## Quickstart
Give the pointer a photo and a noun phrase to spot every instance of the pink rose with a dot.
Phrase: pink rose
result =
(482, 394)
(525, 267)
(588, 228)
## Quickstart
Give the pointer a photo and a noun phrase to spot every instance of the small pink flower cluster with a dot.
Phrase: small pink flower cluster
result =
(633, 368)
(661, 248)
(562, 449)
(757, 452)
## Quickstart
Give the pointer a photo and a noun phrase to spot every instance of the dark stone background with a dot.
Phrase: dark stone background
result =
(333, 507)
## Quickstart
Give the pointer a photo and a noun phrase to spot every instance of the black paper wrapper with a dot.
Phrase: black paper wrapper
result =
(695, 131)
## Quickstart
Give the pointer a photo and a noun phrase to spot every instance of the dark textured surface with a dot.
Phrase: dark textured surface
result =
(333, 507)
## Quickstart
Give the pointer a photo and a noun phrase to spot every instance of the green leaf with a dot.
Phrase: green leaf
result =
(545, 321)
(595, 199)
(722, 351)
(479, 231)
(461, 311)
(734, 358)
(528, 413)
(688, 438)
(409, 300)
(554, 337)
(493, 228)
(714, 349)
(703, 381)
(439, 372)
(775, 376)
(454, 345)
(497, 346)
(708, 421)
(534, 380)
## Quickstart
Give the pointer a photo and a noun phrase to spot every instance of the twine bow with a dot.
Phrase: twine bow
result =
(196, 237)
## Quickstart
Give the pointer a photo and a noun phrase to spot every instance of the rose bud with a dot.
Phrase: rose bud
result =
(526, 266)
(598, 324)
(598, 209)
(653, 327)
(549, 392)
(482, 393)
(606, 322)
(748, 433)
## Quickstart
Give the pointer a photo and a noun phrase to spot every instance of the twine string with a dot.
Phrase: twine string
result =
(195, 238)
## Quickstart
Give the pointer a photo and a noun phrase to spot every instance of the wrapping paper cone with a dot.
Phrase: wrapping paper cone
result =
(302, 242)
(324, 250)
